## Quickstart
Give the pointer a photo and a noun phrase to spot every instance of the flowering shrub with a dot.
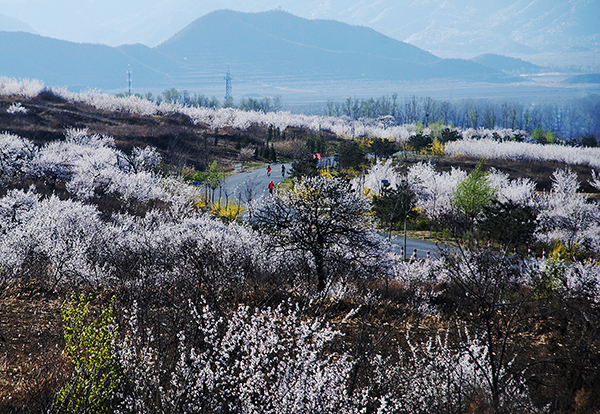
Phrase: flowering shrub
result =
(523, 151)
(90, 164)
(435, 190)
(15, 155)
(130, 104)
(436, 376)
(566, 216)
(260, 361)
(17, 109)
(49, 238)
(20, 87)
(520, 191)
(278, 361)
(252, 361)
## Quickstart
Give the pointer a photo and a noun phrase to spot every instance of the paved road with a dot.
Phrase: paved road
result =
(254, 184)
(422, 247)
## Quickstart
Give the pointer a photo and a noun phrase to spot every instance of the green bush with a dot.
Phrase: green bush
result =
(90, 348)
(422, 225)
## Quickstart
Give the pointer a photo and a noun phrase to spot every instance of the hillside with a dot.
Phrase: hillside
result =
(175, 136)
(127, 289)
(282, 46)
(184, 143)
(229, 32)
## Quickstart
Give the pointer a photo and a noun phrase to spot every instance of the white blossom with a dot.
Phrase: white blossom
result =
(523, 151)
(435, 190)
(15, 155)
(520, 191)
(567, 216)
(17, 109)
(20, 87)
(55, 235)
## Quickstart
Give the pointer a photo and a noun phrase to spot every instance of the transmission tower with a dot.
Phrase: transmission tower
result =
(228, 80)
(129, 79)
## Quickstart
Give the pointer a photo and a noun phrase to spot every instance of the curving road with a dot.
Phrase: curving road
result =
(252, 185)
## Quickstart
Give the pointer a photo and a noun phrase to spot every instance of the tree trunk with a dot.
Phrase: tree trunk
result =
(404, 258)
(320, 267)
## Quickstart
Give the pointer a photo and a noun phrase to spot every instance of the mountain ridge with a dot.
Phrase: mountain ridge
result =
(337, 32)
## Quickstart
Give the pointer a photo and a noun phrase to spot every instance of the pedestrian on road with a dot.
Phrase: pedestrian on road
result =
(269, 171)
(282, 170)
(271, 186)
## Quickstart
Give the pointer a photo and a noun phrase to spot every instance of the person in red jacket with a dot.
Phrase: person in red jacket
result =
(271, 186)
(269, 171)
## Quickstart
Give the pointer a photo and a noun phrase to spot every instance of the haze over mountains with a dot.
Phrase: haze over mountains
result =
(259, 48)
(536, 30)
(269, 53)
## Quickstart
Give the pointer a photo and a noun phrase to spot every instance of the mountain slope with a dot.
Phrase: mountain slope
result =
(74, 65)
(471, 27)
(327, 35)
(278, 45)
(506, 64)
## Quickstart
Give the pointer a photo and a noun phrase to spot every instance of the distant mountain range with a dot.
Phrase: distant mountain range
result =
(530, 29)
(259, 48)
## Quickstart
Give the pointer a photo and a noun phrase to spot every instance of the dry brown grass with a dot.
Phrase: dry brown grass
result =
(31, 359)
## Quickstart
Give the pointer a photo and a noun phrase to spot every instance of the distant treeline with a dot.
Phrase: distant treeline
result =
(576, 120)
(199, 100)
(572, 120)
